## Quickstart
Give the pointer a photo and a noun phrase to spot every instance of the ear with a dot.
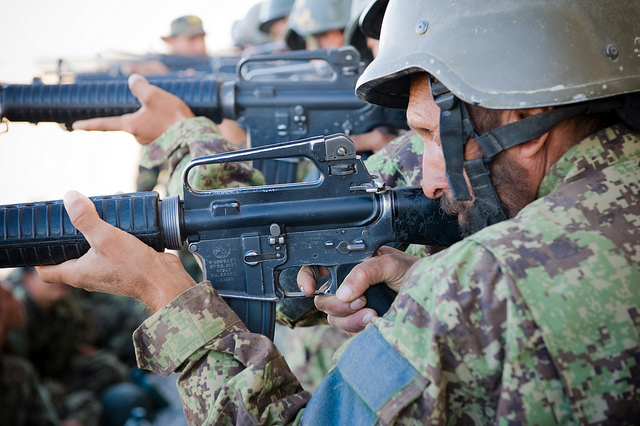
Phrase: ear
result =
(532, 147)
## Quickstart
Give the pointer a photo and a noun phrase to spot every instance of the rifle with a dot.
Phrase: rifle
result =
(245, 237)
(275, 98)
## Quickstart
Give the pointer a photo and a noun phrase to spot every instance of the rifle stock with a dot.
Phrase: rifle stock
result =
(246, 236)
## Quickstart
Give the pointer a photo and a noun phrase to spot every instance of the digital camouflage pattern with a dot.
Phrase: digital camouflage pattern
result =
(193, 138)
(309, 351)
(400, 161)
(534, 319)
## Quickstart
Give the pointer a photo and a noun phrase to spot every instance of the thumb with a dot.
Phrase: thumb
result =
(140, 87)
(83, 215)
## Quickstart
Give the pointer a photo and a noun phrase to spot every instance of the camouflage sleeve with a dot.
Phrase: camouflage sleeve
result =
(228, 375)
(400, 161)
(193, 138)
(464, 327)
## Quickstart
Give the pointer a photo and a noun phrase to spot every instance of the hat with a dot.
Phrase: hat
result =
(188, 25)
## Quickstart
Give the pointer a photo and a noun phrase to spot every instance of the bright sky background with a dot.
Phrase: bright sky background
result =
(42, 162)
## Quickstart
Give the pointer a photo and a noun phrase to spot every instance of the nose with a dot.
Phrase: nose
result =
(434, 180)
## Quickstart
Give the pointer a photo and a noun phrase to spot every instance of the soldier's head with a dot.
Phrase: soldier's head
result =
(246, 31)
(500, 89)
(317, 24)
(273, 18)
(186, 37)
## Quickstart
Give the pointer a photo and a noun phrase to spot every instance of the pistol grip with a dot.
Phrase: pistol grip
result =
(379, 298)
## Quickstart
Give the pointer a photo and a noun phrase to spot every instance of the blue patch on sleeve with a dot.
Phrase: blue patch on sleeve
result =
(368, 374)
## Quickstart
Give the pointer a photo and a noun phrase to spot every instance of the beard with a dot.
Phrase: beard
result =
(512, 185)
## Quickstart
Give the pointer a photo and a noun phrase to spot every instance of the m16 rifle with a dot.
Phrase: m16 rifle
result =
(246, 236)
(275, 98)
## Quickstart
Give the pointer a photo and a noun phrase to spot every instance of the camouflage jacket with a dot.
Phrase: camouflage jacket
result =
(534, 319)
(400, 161)
(193, 138)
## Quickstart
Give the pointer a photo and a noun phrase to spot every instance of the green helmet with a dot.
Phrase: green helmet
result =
(508, 54)
(580, 56)
(273, 10)
(309, 17)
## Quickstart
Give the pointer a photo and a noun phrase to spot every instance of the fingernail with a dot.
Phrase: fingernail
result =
(357, 304)
(366, 319)
(344, 293)
(70, 197)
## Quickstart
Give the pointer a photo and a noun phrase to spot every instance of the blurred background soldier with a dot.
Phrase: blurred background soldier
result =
(246, 32)
(76, 374)
(186, 37)
(23, 400)
(273, 18)
(317, 24)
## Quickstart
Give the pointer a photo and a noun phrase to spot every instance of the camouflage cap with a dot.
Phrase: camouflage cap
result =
(188, 25)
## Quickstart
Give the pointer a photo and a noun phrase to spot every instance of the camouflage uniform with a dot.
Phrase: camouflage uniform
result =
(534, 319)
(400, 161)
(52, 342)
(193, 138)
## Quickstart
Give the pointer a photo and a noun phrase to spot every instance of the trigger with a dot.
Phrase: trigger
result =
(323, 285)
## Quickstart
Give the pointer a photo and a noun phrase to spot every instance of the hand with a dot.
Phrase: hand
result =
(117, 262)
(372, 141)
(159, 111)
(345, 309)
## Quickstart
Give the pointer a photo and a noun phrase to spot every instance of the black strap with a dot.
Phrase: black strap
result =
(528, 128)
(453, 140)
(487, 206)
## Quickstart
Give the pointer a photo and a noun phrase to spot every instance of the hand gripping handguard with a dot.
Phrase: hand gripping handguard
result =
(275, 98)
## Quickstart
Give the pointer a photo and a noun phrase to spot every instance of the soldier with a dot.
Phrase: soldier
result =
(187, 37)
(246, 32)
(24, 401)
(317, 24)
(308, 351)
(532, 318)
(273, 18)
(74, 373)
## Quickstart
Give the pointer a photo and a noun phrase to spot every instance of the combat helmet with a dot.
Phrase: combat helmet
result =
(309, 17)
(371, 18)
(245, 31)
(272, 11)
(580, 56)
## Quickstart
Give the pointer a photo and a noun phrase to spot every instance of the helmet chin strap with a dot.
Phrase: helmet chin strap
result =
(456, 128)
